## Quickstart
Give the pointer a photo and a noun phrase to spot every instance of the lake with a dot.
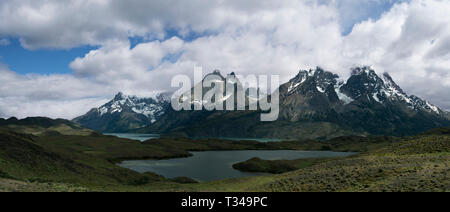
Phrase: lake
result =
(217, 165)
(137, 137)
(144, 137)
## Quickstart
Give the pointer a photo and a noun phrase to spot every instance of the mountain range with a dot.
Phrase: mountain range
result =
(316, 104)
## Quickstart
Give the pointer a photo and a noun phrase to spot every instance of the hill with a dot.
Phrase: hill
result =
(42, 126)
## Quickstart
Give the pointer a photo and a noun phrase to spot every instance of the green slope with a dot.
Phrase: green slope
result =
(80, 163)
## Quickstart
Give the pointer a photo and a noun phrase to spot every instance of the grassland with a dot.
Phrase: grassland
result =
(56, 162)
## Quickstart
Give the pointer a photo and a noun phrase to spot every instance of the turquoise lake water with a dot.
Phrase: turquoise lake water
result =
(217, 165)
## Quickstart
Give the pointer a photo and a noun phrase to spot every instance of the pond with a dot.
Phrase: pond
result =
(217, 165)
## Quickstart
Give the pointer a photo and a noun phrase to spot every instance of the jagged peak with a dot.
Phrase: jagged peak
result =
(317, 78)
(380, 88)
(358, 70)
(317, 72)
(311, 72)
(124, 98)
(119, 96)
(148, 106)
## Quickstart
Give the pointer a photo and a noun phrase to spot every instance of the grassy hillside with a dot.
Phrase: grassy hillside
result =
(399, 166)
(87, 163)
(419, 164)
(43, 126)
(24, 158)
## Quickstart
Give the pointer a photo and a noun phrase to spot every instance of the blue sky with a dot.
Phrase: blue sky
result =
(52, 61)
(359, 10)
(56, 61)
(41, 61)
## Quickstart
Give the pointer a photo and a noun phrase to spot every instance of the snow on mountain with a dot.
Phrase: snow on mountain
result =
(149, 107)
(364, 83)
(312, 80)
(125, 112)
(385, 89)
(344, 98)
(215, 79)
(314, 104)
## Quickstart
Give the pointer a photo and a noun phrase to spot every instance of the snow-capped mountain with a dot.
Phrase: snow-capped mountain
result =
(148, 107)
(314, 104)
(251, 94)
(312, 81)
(124, 113)
(365, 83)
(319, 104)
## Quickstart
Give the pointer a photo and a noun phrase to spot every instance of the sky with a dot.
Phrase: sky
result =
(60, 58)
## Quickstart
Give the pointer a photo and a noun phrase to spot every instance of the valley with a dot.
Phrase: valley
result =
(56, 162)
(359, 134)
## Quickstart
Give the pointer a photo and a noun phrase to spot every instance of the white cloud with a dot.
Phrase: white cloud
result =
(411, 41)
(56, 96)
(71, 23)
(264, 41)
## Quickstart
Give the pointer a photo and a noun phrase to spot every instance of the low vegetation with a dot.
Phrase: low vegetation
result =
(57, 162)
(41, 126)
(418, 164)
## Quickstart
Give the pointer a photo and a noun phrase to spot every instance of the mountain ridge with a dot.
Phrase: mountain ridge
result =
(124, 112)
(317, 104)
(314, 104)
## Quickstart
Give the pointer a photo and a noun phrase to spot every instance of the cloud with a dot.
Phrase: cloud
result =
(71, 23)
(56, 96)
(263, 41)
(411, 41)
(356, 11)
